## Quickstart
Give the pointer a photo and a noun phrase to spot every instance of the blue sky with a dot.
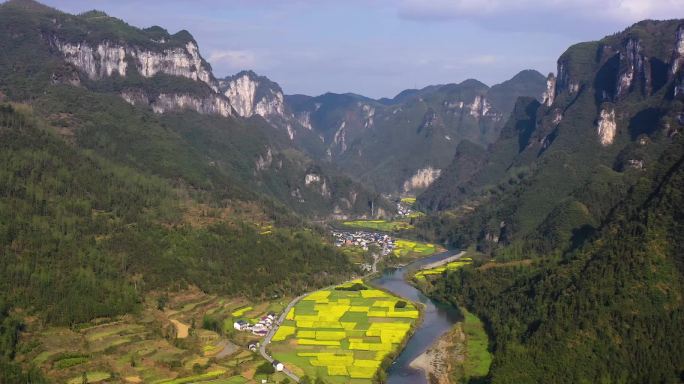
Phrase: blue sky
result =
(380, 47)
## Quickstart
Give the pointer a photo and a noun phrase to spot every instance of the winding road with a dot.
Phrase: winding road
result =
(269, 336)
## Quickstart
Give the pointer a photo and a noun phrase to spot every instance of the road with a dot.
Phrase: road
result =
(269, 336)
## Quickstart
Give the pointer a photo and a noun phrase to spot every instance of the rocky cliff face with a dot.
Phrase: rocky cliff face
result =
(107, 58)
(251, 94)
(606, 126)
(422, 179)
(480, 107)
(174, 102)
(95, 62)
(677, 61)
(631, 68)
(550, 93)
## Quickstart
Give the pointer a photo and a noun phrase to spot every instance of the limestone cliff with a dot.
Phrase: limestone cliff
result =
(251, 94)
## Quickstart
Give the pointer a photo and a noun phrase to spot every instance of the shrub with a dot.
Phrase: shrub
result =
(265, 369)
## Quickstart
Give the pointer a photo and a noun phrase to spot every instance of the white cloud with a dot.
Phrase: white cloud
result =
(588, 10)
(234, 59)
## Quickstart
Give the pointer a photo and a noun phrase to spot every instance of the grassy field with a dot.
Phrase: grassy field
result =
(420, 275)
(378, 225)
(342, 336)
(478, 359)
(143, 348)
(411, 248)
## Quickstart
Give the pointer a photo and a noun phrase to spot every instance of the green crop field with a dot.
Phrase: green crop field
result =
(342, 336)
(420, 275)
(378, 225)
(479, 359)
(413, 248)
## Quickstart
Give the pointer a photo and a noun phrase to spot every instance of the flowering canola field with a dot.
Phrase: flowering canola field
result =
(452, 266)
(342, 335)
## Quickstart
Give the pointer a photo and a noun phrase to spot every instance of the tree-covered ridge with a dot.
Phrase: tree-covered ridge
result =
(609, 312)
(226, 157)
(383, 143)
(551, 177)
(83, 238)
(597, 219)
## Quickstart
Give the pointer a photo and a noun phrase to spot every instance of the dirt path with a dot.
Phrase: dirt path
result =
(181, 329)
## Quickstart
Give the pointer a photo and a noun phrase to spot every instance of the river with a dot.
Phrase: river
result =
(437, 319)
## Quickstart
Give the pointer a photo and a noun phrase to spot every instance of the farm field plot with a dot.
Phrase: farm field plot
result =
(378, 225)
(454, 265)
(413, 248)
(343, 335)
(147, 347)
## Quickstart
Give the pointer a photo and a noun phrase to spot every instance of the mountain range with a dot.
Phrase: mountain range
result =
(129, 168)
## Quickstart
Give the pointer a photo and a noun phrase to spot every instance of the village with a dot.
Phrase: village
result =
(364, 240)
(260, 329)
(404, 210)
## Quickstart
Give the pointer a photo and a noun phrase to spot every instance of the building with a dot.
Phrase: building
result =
(240, 325)
(253, 346)
(278, 366)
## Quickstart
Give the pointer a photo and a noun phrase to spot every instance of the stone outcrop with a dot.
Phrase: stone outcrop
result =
(253, 95)
(422, 179)
(677, 61)
(631, 68)
(550, 94)
(107, 58)
(479, 107)
(606, 126)
(212, 104)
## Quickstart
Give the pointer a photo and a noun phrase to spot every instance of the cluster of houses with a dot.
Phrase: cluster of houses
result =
(261, 328)
(364, 240)
(403, 210)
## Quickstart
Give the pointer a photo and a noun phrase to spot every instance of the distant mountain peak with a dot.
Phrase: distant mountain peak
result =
(29, 5)
(526, 75)
(473, 83)
(252, 94)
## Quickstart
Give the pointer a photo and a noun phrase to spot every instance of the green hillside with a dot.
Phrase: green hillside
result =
(608, 312)
(82, 237)
(193, 142)
(580, 230)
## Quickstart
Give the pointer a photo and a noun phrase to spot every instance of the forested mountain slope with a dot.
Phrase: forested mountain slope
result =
(610, 312)
(147, 98)
(402, 145)
(83, 237)
(577, 213)
(561, 165)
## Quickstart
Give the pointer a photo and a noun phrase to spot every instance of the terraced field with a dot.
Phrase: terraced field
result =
(148, 347)
(420, 275)
(378, 225)
(343, 336)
